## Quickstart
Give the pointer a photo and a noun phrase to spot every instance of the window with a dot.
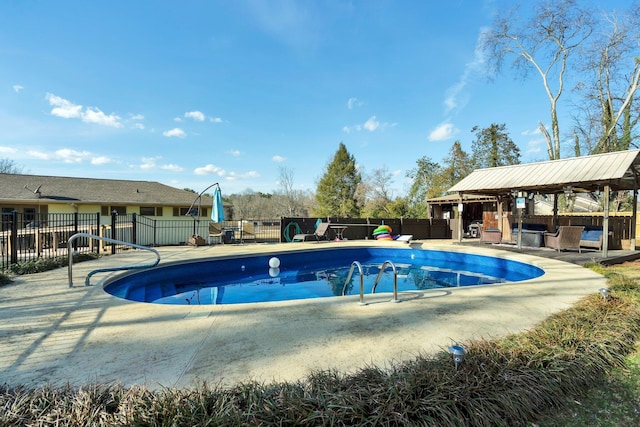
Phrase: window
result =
(120, 210)
(187, 212)
(147, 211)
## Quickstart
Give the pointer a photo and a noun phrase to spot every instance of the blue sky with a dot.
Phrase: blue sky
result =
(189, 93)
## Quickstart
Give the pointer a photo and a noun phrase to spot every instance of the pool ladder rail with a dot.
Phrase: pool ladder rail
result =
(103, 270)
(356, 264)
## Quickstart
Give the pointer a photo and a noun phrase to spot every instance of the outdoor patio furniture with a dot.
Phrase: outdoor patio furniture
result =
(592, 237)
(532, 234)
(491, 235)
(319, 234)
(215, 230)
(567, 237)
(247, 231)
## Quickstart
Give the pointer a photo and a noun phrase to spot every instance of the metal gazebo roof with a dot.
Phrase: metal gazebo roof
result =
(620, 170)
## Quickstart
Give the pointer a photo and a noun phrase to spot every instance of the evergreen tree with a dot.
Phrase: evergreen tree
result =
(336, 192)
(493, 147)
(457, 165)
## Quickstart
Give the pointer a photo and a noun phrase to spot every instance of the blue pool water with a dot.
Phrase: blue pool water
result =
(312, 274)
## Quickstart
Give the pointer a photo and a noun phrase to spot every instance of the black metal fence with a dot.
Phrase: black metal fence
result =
(28, 238)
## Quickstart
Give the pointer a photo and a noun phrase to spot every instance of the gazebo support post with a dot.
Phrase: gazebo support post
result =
(460, 223)
(519, 226)
(633, 220)
(555, 211)
(605, 222)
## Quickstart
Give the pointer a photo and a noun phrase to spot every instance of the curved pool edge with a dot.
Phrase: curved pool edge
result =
(198, 281)
(83, 334)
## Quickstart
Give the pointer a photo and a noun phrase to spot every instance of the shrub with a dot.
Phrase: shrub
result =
(39, 265)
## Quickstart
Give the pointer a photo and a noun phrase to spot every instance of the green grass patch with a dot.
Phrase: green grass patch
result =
(517, 380)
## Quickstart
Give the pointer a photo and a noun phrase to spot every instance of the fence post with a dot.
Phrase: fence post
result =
(13, 240)
(134, 228)
(98, 231)
(75, 230)
(155, 231)
(114, 216)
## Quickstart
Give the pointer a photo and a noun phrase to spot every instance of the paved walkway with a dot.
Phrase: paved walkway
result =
(50, 333)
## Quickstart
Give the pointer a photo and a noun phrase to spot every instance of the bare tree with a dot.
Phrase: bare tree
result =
(9, 166)
(612, 77)
(544, 43)
(291, 199)
(378, 194)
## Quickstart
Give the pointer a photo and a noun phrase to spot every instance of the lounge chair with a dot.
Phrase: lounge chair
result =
(404, 238)
(215, 230)
(567, 237)
(319, 234)
(247, 231)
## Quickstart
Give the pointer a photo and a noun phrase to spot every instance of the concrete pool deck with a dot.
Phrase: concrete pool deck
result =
(53, 334)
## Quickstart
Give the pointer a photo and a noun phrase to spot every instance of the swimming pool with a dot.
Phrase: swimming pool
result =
(312, 274)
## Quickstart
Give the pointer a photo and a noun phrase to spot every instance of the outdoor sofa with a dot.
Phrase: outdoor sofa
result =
(592, 237)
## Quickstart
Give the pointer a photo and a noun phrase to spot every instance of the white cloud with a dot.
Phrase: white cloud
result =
(138, 126)
(443, 132)
(198, 116)
(235, 153)
(68, 155)
(278, 159)
(354, 102)
(371, 124)
(68, 110)
(136, 117)
(7, 149)
(529, 132)
(177, 119)
(456, 98)
(209, 170)
(94, 115)
(177, 132)
(18, 88)
(215, 119)
(171, 167)
(63, 108)
(38, 154)
(148, 163)
(101, 160)
(233, 176)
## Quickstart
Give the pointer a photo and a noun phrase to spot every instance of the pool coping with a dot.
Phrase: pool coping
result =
(53, 334)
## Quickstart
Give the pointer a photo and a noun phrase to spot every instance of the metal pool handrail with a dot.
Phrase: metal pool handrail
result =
(355, 264)
(102, 270)
(395, 279)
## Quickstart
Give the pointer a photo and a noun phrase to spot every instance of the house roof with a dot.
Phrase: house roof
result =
(58, 189)
(619, 170)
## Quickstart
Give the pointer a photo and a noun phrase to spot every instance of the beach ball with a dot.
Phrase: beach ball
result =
(274, 262)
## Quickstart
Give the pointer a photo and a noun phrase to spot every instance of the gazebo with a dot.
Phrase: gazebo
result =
(617, 171)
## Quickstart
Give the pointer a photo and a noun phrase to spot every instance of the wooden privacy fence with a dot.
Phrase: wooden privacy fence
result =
(361, 228)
